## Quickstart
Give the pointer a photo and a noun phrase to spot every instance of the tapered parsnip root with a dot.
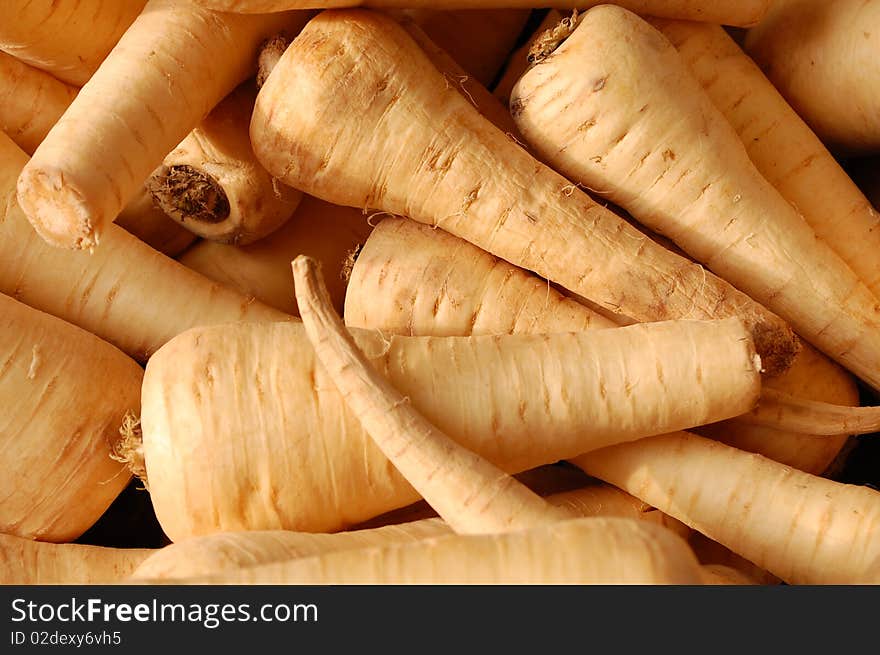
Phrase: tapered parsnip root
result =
(578, 551)
(127, 294)
(812, 376)
(213, 185)
(459, 173)
(63, 396)
(822, 56)
(472, 495)
(27, 562)
(121, 125)
(725, 12)
(67, 38)
(802, 528)
(781, 145)
(329, 233)
(412, 280)
(544, 480)
(302, 462)
(640, 127)
(784, 411)
(228, 551)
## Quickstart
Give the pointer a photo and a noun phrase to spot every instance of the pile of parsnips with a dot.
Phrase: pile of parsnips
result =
(644, 228)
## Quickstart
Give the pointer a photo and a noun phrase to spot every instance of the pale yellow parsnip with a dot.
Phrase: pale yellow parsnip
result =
(280, 451)
(472, 495)
(802, 528)
(822, 56)
(64, 395)
(417, 148)
(31, 102)
(578, 551)
(121, 125)
(409, 279)
(781, 145)
(27, 562)
(224, 551)
(212, 184)
(66, 38)
(128, 294)
(616, 108)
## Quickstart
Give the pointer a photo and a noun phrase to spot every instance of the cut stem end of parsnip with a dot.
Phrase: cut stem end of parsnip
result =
(188, 195)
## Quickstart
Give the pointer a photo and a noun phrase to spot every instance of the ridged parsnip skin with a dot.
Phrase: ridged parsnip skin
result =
(67, 38)
(802, 528)
(413, 280)
(410, 279)
(415, 147)
(479, 40)
(639, 126)
(31, 102)
(63, 396)
(726, 12)
(579, 551)
(329, 233)
(822, 56)
(242, 429)
(27, 562)
(788, 412)
(782, 146)
(127, 294)
(121, 125)
(216, 160)
(226, 551)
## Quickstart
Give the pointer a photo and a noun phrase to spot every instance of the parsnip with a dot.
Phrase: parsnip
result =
(472, 495)
(128, 294)
(417, 148)
(409, 279)
(121, 124)
(27, 562)
(59, 427)
(641, 128)
(579, 551)
(802, 528)
(242, 429)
